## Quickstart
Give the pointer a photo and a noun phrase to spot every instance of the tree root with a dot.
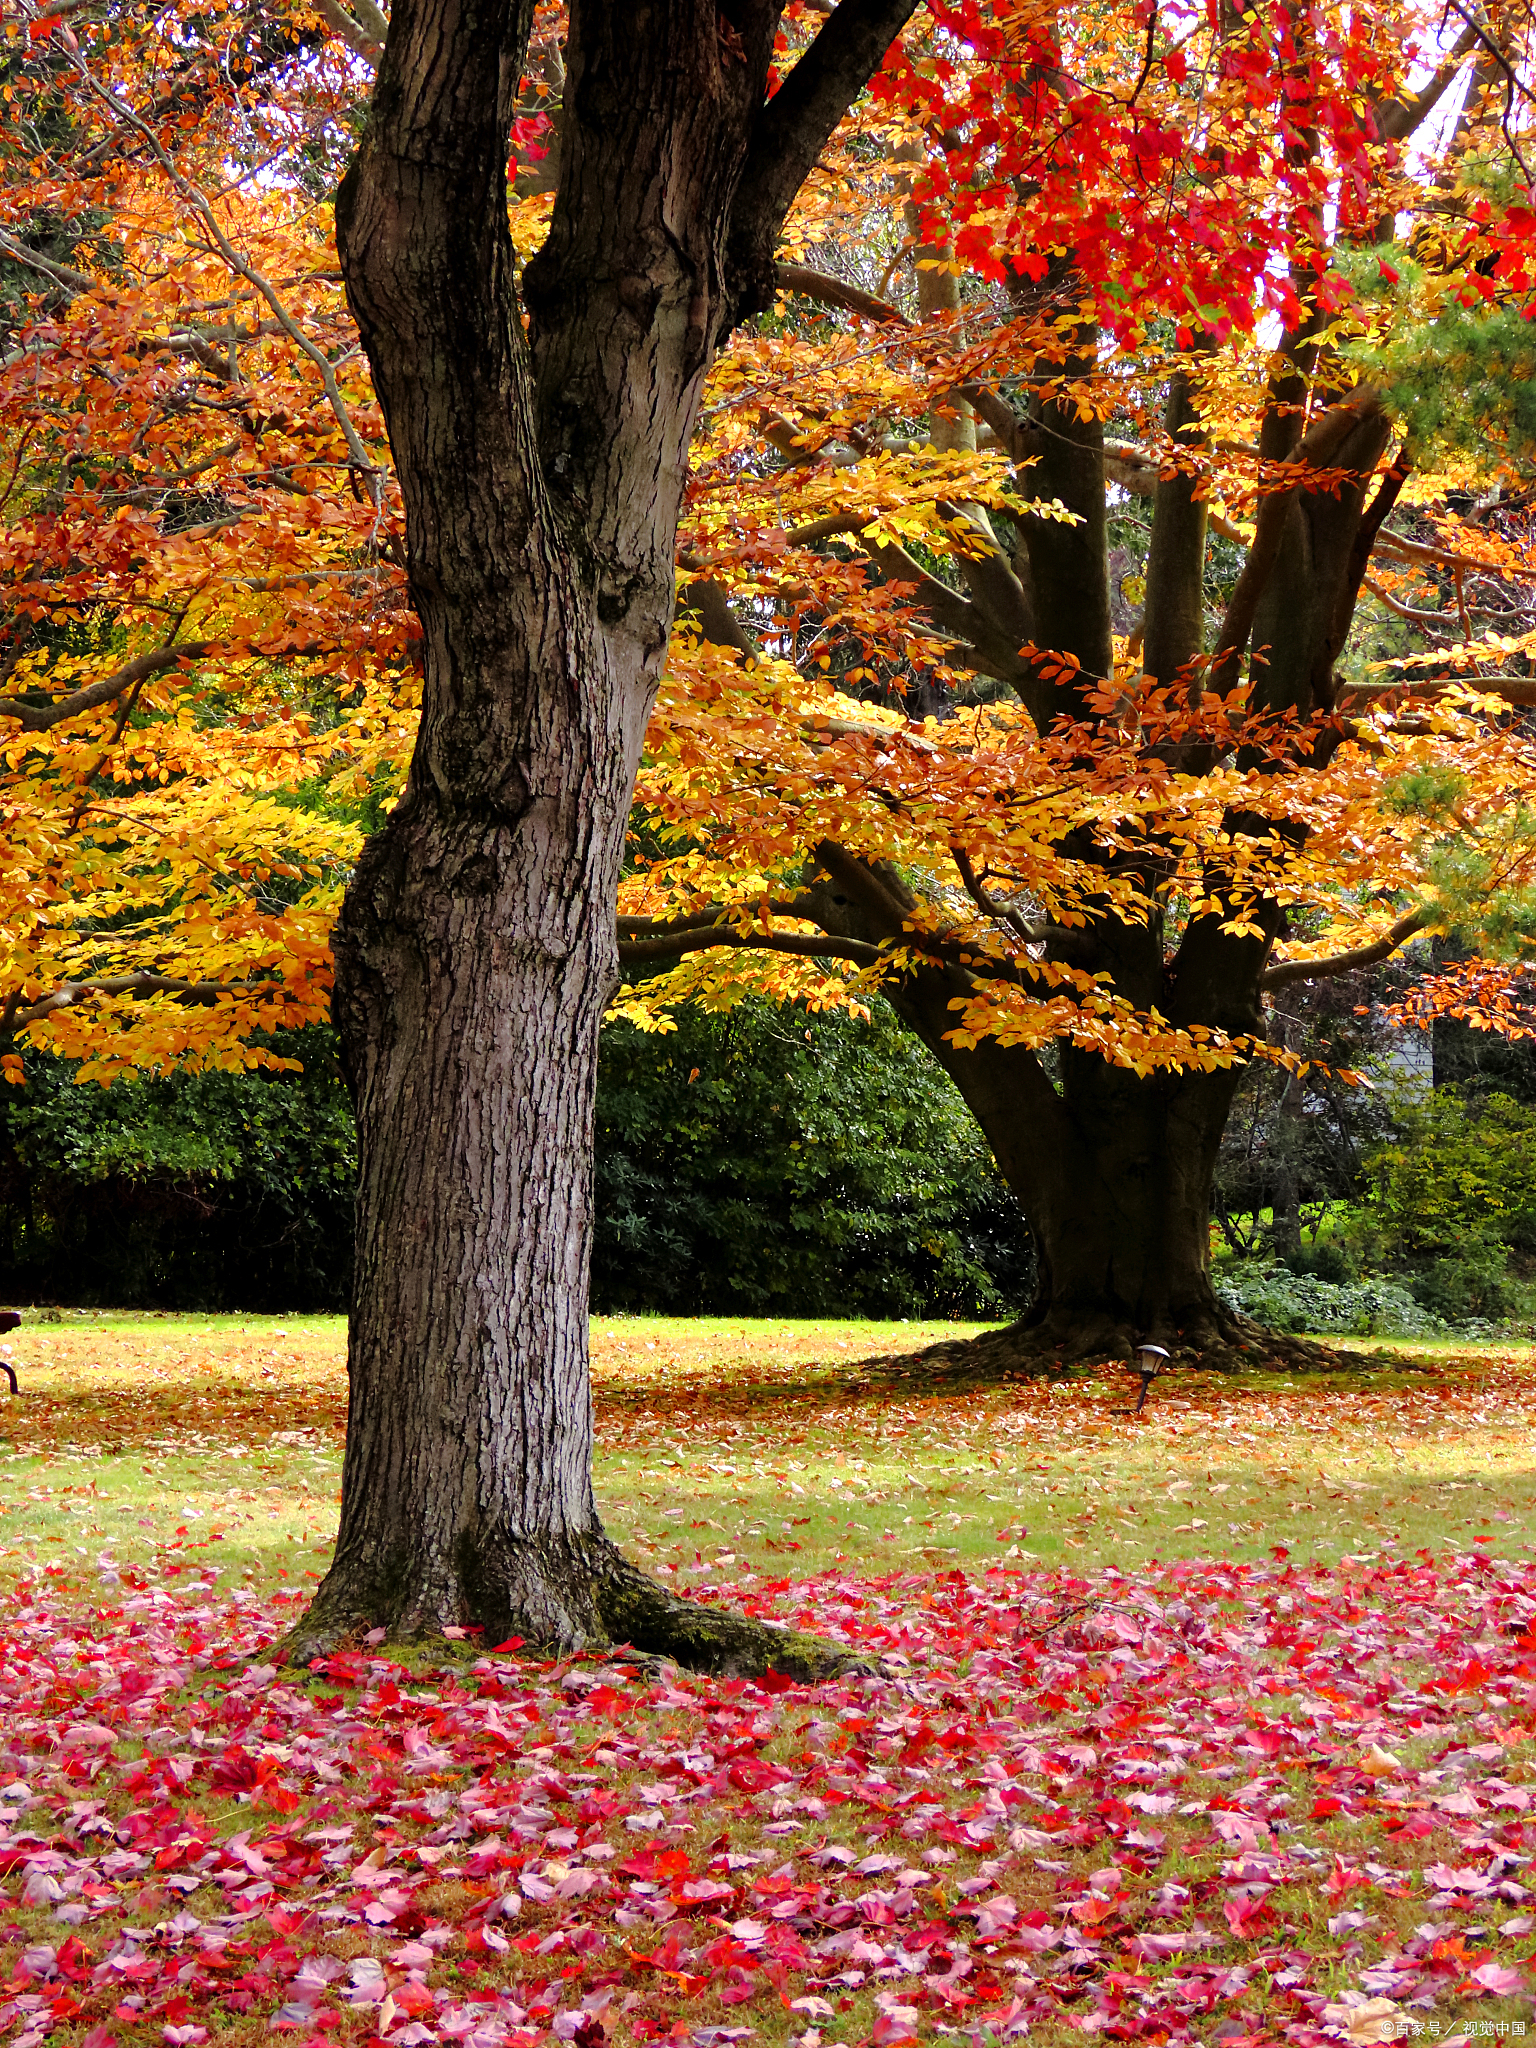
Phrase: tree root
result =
(554, 1599)
(1214, 1340)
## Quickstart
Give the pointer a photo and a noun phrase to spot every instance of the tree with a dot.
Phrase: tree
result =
(1092, 857)
(543, 476)
(1079, 885)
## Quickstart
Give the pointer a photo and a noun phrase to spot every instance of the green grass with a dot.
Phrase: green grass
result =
(773, 1448)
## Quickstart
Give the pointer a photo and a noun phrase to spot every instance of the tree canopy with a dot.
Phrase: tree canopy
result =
(1116, 529)
(1036, 230)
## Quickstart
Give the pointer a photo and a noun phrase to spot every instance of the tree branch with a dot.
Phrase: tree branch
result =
(1513, 689)
(1403, 117)
(196, 201)
(72, 280)
(1341, 963)
(18, 1014)
(356, 30)
(1014, 436)
(42, 718)
(808, 945)
(984, 900)
(791, 131)
(1404, 611)
(831, 291)
(1313, 451)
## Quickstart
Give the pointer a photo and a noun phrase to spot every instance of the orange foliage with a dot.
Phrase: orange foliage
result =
(206, 649)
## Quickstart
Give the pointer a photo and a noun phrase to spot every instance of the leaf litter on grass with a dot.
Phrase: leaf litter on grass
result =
(1131, 1805)
(1165, 1799)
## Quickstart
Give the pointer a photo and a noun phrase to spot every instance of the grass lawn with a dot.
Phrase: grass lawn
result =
(1214, 1724)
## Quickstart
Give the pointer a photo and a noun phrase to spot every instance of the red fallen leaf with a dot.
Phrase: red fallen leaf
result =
(1246, 1917)
(888, 2030)
(99, 2036)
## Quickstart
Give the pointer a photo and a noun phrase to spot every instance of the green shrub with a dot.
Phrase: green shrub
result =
(1458, 1173)
(1476, 1284)
(205, 1191)
(765, 1162)
(756, 1162)
(1281, 1300)
(1330, 1260)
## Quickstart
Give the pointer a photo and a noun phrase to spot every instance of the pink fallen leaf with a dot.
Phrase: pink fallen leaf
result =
(87, 1735)
(1501, 1979)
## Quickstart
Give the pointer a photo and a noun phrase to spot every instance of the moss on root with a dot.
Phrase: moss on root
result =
(582, 1594)
(637, 1611)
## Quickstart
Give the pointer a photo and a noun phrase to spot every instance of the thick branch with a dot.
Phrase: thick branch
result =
(718, 623)
(808, 945)
(831, 291)
(794, 127)
(1014, 436)
(1513, 689)
(72, 280)
(1318, 445)
(353, 29)
(1403, 118)
(35, 718)
(1342, 963)
(17, 1014)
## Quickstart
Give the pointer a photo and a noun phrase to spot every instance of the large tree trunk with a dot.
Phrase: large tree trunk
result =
(542, 475)
(1114, 1172)
(1115, 1169)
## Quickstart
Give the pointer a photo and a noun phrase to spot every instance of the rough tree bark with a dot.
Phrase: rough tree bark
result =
(542, 473)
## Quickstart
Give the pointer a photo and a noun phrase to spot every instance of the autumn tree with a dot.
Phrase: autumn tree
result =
(226, 599)
(1080, 884)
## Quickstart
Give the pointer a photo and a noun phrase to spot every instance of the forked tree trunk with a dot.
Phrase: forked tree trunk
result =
(1114, 1170)
(542, 478)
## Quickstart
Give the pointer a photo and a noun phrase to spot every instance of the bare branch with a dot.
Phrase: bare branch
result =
(353, 31)
(1342, 963)
(1514, 85)
(72, 280)
(794, 127)
(831, 291)
(808, 945)
(1402, 118)
(1404, 611)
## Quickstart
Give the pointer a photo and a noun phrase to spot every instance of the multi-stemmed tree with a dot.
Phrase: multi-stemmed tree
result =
(1079, 894)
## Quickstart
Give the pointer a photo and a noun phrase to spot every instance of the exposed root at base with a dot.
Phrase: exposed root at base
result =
(582, 1594)
(1215, 1341)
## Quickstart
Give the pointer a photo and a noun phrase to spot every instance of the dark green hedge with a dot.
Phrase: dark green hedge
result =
(756, 1162)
